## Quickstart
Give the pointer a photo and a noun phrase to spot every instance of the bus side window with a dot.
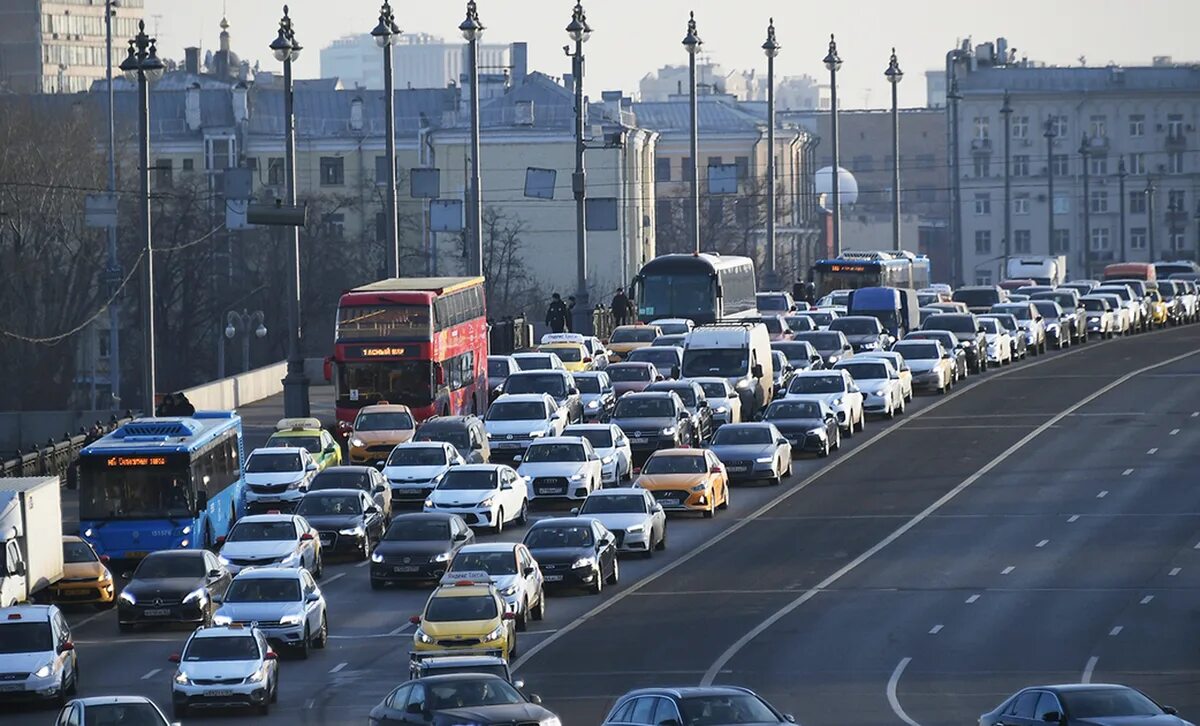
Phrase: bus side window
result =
(468, 367)
(455, 366)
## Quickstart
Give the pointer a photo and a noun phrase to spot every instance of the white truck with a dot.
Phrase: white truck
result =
(31, 550)
(1042, 269)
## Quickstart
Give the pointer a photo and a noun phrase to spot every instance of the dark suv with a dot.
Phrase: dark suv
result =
(971, 336)
(465, 433)
(654, 421)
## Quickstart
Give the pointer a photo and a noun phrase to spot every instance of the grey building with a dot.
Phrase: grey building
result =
(420, 60)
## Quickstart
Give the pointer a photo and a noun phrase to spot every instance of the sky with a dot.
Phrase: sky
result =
(634, 37)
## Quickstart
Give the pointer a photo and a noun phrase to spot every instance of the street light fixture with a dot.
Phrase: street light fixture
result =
(833, 62)
(387, 34)
(692, 43)
(472, 30)
(241, 323)
(579, 31)
(771, 48)
(142, 66)
(295, 384)
(894, 75)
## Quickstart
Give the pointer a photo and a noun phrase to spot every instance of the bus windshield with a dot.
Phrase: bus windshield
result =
(383, 322)
(134, 492)
(395, 381)
(723, 362)
(677, 296)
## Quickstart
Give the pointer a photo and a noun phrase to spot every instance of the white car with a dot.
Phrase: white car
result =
(512, 570)
(674, 326)
(612, 446)
(538, 361)
(282, 540)
(285, 604)
(1122, 319)
(838, 390)
(561, 468)
(595, 348)
(631, 514)
(98, 709)
(225, 666)
(484, 495)
(901, 366)
(723, 399)
(38, 657)
(277, 477)
(1101, 318)
(999, 342)
(821, 317)
(879, 383)
(413, 467)
(515, 420)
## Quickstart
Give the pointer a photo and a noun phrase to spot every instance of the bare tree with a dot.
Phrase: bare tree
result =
(508, 286)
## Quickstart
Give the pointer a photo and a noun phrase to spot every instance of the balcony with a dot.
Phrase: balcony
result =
(981, 146)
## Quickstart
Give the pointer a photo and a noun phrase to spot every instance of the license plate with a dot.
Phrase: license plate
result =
(553, 578)
(157, 612)
(736, 468)
(219, 693)
(547, 490)
(405, 568)
(669, 502)
(639, 441)
(134, 554)
(11, 689)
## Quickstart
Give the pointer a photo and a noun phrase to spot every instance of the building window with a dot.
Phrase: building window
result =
(1020, 127)
(742, 209)
(1137, 202)
(1098, 126)
(743, 167)
(1099, 202)
(662, 168)
(1137, 164)
(189, 164)
(1176, 201)
(1178, 241)
(1101, 239)
(1061, 243)
(1021, 204)
(1058, 124)
(333, 171)
(983, 205)
(715, 161)
(1020, 165)
(1061, 165)
(333, 226)
(983, 277)
(983, 242)
(662, 211)
(1137, 238)
(1137, 125)
(163, 174)
(982, 127)
(1175, 125)
(1022, 241)
(1098, 165)
(689, 170)
(220, 153)
(275, 171)
(1175, 162)
(983, 166)
(1062, 204)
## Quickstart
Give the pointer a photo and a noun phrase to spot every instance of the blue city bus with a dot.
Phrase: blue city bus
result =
(162, 483)
(701, 286)
(853, 270)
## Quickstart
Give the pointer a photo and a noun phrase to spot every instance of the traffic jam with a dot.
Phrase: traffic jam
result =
(594, 451)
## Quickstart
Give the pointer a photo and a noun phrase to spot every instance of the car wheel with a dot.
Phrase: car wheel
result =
(305, 644)
(275, 690)
(615, 577)
(662, 541)
(523, 616)
(825, 449)
(365, 553)
(598, 584)
(891, 412)
(264, 708)
(323, 635)
(499, 521)
(318, 568)
(837, 438)
(539, 613)
(125, 627)
(523, 516)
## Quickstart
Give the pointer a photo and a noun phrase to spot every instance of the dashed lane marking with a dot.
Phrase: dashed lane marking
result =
(1102, 494)
(1174, 432)
(1146, 600)
(1073, 518)
(1116, 631)
(1089, 669)
(935, 630)
(1043, 543)
(1127, 472)
(972, 599)
(1175, 571)
(1007, 570)
(329, 580)
(338, 667)
(153, 672)
(1153, 451)
(362, 564)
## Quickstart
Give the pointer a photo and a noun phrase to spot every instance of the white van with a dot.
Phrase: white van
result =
(738, 352)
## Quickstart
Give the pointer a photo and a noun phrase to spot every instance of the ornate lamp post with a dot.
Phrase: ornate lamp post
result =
(833, 62)
(387, 34)
(472, 30)
(692, 43)
(894, 75)
(771, 49)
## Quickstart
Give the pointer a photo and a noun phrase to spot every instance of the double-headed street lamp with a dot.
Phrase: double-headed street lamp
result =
(142, 65)
(894, 75)
(295, 384)
(833, 62)
(244, 323)
(387, 34)
(771, 48)
(472, 31)
(692, 43)
(579, 31)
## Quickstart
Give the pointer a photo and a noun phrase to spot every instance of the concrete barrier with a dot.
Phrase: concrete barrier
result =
(236, 391)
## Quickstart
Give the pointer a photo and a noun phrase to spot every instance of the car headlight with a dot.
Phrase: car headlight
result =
(429, 504)
(765, 459)
(832, 359)
(636, 529)
(881, 392)
(699, 488)
(291, 620)
(578, 476)
(537, 434)
(376, 557)
(668, 431)
(128, 598)
(357, 442)
(255, 677)
(509, 591)
(443, 557)
(494, 635)
(87, 532)
(870, 346)
(356, 531)
(290, 560)
(487, 502)
(838, 401)
(968, 343)
(608, 459)
(593, 404)
(44, 671)
(197, 595)
(744, 384)
(222, 620)
(223, 560)
(420, 636)
(490, 435)
(816, 432)
(181, 678)
(583, 562)
(552, 721)
(295, 484)
(722, 409)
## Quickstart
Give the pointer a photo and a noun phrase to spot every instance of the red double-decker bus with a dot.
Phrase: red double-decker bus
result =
(422, 342)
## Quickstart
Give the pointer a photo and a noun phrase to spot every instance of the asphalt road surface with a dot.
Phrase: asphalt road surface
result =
(1040, 524)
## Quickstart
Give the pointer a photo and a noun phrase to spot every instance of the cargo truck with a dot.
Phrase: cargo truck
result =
(31, 549)
(1042, 269)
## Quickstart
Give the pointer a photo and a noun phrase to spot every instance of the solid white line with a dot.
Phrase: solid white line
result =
(1117, 630)
(538, 632)
(893, 699)
(338, 667)
(1146, 600)
(935, 630)
(778, 615)
(1043, 543)
(1007, 570)
(1174, 432)
(1089, 669)
(1175, 571)
(972, 599)
(1102, 494)
(1073, 518)
(1153, 451)
(1127, 472)
(153, 672)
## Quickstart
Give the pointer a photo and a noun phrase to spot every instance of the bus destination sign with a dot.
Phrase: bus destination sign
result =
(850, 268)
(125, 461)
(376, 351)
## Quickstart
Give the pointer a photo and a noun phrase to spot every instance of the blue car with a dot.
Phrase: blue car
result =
(753, 452)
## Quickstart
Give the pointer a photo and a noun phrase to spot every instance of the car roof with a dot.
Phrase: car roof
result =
(746, 425)
(278, 450)
(816, 374)
(588, 427)
(34, 613)
(266, 518)
(562, 521)
(481, 467)
(256, 573)
(458, 589)
(417, 516)
(110, 700)
(186, 553)
(446, 422)
(490, 547)
(588, 374)
(682, 452)
(447, 677)
(222, 631)
(332, 491)
(385, 407)
(615, 491)
(577, 440)
(524, 397)
(347, 469)
(632, 364)
(451, 661)
(690, 691)
(635, 395)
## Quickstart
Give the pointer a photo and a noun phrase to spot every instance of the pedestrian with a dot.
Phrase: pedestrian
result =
(620, 307)
(571, 326)
(167, 406)
(556, 314)
(183, 407)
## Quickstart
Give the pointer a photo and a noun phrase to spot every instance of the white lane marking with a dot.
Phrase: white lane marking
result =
(1089, 669)
(1195, 414)
(153, 672)
(328, 580)
(1153, 451)
(1102, 494)
(972, 599)
(539, 632)
(1197, 547)
(893, 699)
(364, 563)
(1174, 571)
(1073, 518)
(1043, 543)
(935, 630)
(1174, 432)
(1117, 630)
(1146, 600)
(1127, 472)
(778, 615)
(400, 630)
(338, 667)
(101, 614)
(1007, 570)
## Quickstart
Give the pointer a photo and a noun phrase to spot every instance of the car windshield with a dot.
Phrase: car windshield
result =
(599, 438)
(1047, 308)
(714, 389)
(318, 505)
(928, 298)
(990, 326)
(771, 301)
(796, 350)
(417, 456)
(738, 435)
(535, 361)
(494, 563)
(640, 334)
(273, 463)
(820, 318)
(498, 368)
(555, 452)
(823, 340)
(865, 371)
(686, 394)
(1008, 322)
(30, 637)
(456, 437)
(856, 326)
(953, 323)
(311, 443)
(774, 326)
(1107, 702)
(817, 384)
(675, 465)
(263, 589)
(800, 323)
(417, 530)
(588, 384)
(917, 351)
(977, 298)
(725, 709)
(446, 695)
(390, 421)
(468, 480)
(242, 647)
(656, 407)
(77, 552)
(673, 328)
(553, 536)
(723, 362)
(1094, 306)
(168, 566)
(517, 411)
(659, 356)
(614, 504)
(567, 354)
(344, 479)
(124, 714)
(793, 409)
(629, 374)
(452, 609)
(553, 383)
(262, 532)
(1020, 312)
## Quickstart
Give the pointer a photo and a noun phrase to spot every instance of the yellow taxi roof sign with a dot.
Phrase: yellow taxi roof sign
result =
(298, 424)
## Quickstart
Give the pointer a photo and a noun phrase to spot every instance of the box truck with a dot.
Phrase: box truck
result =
(1042, 269)
(31, 550)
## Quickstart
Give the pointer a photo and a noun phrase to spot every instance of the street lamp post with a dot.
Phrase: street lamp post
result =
(1007, 110)
(1049, 134)
(692, 43)
(243, 324)
(387, 34)
(114, 263)
(894, 76)
(1085, 150)
(833, 62)
(771, 49)
(1121, 173)
(1150, 189)
(472, 31)
(295, 383)
(579, 31)
(143, 65)
(958, 254)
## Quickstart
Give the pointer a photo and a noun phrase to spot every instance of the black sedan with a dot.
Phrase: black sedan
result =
(653, 421)
(574, 552)
(808, 425)
(459, 698)
(172, 586)
(347, 520)
(418, 547)
(831, 345)
(753, 451)
(972, 339)
(696, 706)
(1080, 704)
(864, 332)
(368, 478)
(800, 353)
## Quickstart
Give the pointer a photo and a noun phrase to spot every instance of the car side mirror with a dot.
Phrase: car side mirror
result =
(519, 458)
(1052, 717)
(757, 370)
(18, 569)
(506, 486)
(509, 615)
(217, 599)
(460, 537)
(214, 574)
(330, 449)
(528, 571)
(66, 647)
(311, 466)
(174, 658)
(373, 510)
(574, 511)
(104, 559)
(789, 718)
(572, 391)
(306, 537)
(312, 597)
(1170, 710)
(415, 620)
(945, 356)
(535, 699)
(271, 655)
(683, 415)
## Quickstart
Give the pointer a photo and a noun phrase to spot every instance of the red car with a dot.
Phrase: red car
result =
(632, 376)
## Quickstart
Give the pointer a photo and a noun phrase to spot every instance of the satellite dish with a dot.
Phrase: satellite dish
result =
(847, 186)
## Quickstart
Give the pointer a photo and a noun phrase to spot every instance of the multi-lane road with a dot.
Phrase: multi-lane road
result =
(1040, 524)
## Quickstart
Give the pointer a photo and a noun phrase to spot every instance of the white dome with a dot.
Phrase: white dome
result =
(847, 186)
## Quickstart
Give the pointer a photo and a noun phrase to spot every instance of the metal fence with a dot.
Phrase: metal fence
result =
(57, 458)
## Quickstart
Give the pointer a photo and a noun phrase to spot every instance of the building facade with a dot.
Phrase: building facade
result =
(58, 46)
(419, 60)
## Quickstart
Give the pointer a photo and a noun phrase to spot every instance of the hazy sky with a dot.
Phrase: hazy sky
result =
(634, 37)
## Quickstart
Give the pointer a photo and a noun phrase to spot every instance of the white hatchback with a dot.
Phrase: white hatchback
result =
(484, 495)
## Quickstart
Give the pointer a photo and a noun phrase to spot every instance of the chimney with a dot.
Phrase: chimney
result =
(241, 104)
(191, 109)
(191, 62)
(612, 104)
(519, 58)
(356, 114)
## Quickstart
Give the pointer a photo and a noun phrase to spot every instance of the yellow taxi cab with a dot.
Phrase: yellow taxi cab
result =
(85, 580)
(1159, 313)
(466, 614)
(377, 429)
(686, 480)
(574, 356)
(308, 434)
(626, 338)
